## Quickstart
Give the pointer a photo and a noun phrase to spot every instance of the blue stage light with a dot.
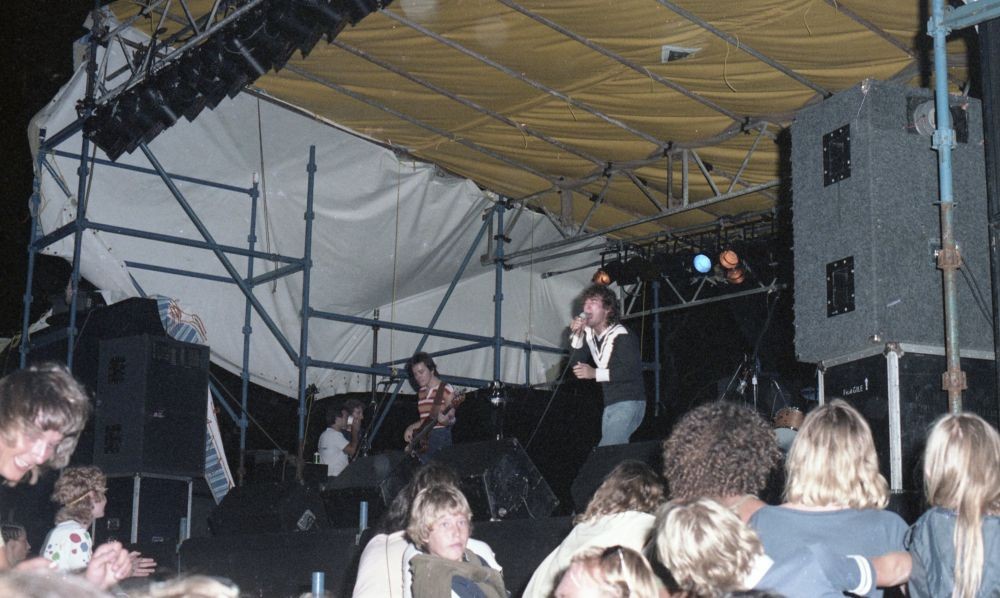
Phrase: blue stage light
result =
(702, 263)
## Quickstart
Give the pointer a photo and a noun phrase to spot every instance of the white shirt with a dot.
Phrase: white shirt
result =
(380, 571)
(629, 528)
(331, 451)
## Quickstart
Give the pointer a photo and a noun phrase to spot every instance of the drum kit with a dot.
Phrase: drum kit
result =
(771, 399)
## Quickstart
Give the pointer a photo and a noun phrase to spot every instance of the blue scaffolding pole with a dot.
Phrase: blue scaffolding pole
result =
(939, 25)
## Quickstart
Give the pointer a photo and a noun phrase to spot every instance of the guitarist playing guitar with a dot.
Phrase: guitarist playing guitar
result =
(435, 403)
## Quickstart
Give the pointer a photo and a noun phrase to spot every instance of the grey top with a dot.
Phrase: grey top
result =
(865, 532)
(817, 572)
(932, 546)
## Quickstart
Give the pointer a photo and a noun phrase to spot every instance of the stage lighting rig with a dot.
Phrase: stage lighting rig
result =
(217, 55)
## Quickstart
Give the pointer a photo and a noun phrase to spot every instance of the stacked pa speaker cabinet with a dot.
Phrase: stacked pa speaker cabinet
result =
(866, 224)
(151, 406)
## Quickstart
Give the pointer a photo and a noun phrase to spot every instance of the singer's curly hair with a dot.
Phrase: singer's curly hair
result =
(607, 297)
(719, 449)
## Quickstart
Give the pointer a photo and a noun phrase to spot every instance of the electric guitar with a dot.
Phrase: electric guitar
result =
(418, 444)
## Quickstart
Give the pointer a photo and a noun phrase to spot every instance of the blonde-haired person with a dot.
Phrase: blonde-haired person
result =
(610, 572)
(834, 494)
(956, 544)
(441, 556)
(81, 493)
(710, 552)
(619, 514)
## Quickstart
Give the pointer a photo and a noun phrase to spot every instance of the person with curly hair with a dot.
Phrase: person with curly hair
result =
(612, 572)
(82, 494)
(956, 544)
(605, 351)
(834, 494)
(619, 514)
(724, 451)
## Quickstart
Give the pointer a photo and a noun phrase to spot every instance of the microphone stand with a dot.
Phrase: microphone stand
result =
(376, 403)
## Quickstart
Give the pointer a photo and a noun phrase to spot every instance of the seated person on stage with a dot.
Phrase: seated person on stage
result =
(619, 514)
(380, 570)
(434, 402)
(612, 572)
(43, 409)
(336, 450)
(710, 551)
(15, 543)
(835, 495)
(723, 451)
(441, 560)
(81, 492)
(956, 544)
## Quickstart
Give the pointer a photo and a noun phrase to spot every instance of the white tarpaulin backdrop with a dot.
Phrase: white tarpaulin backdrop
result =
(389, 234)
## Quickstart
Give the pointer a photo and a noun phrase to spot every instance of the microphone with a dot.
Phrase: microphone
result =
(581, 316)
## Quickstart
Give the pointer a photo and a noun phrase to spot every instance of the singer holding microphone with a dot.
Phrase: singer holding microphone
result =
(605, 351)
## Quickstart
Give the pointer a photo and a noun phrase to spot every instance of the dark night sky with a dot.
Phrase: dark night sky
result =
(36, 61)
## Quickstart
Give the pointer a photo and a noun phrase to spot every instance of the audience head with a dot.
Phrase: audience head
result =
(397, 516)
(45, 583)
(608, 300)
(719, 449)
(440, 522)
(43, 409)
(614, 572)
(81, 493)
(15, 543)
(193, 586)
(833, 462)
(962, 474)
(707, 548)
(631, 486)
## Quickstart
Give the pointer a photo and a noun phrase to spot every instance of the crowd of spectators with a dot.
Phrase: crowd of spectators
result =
(699, 529)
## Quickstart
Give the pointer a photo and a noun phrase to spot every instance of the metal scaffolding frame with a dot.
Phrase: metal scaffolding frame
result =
(244, 281)
(940, 24)
(674, 156)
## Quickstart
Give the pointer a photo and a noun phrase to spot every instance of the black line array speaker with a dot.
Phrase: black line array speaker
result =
(866, 223)
(500, 480)
(151, 406)
(603, 459)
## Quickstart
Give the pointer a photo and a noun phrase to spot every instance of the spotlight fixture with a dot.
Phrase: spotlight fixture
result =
(702, 263)
(601, 277)
(728, 259)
